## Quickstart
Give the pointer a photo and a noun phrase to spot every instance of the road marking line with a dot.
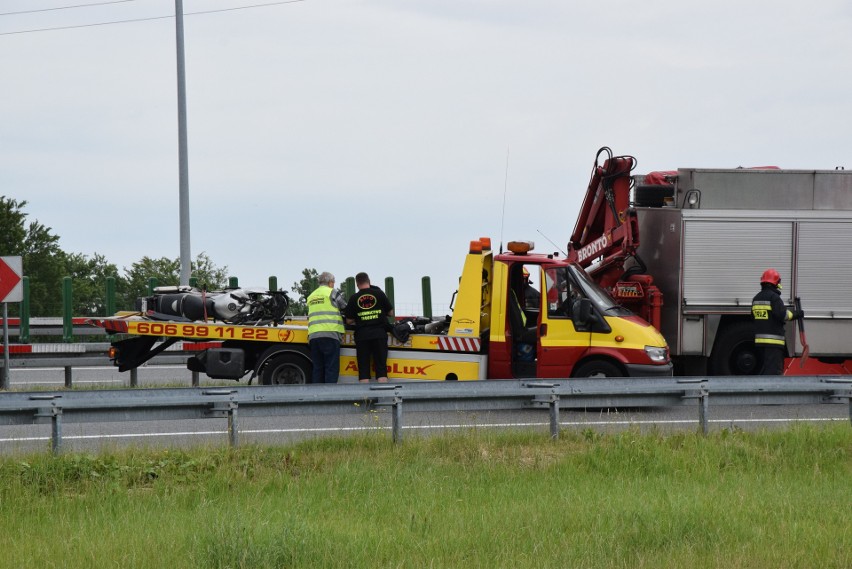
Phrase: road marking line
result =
(419, 427)
(76, 381)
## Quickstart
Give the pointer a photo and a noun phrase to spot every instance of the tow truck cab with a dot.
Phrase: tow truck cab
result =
(566, 327)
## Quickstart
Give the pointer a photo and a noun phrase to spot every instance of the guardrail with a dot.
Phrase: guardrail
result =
(94, 354)
(231, 403)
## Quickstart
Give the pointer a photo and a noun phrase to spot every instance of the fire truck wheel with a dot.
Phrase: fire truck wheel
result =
(598, 368)
(286, 369)
(735, 353)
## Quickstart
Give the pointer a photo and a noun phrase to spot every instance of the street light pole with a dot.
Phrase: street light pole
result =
(185, 255)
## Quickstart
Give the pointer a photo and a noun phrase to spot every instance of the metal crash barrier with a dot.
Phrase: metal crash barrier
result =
(95, 354)
(232, 403)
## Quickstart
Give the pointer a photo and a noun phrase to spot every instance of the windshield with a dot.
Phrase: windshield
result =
(596, 294)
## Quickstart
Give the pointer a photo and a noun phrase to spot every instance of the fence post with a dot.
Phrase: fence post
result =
(110, 296)
(390, 295)
(702, 394)
(233, 429)
(396, 422)
(67, 322)
(554, 416)
(4, 379)
(703, 408)
(426, 286)
(56, 429)
(24, 328)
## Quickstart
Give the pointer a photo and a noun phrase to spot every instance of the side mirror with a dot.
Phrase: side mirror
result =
(581, 311)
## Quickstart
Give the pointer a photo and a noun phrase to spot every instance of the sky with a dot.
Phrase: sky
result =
(385, 135)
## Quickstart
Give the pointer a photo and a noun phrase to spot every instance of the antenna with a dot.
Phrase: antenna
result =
(552, 243)
(505, 187)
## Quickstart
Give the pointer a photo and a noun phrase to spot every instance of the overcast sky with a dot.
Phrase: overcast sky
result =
(373, 134)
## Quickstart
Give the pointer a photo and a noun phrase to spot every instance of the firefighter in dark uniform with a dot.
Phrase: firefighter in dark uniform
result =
(770, 315)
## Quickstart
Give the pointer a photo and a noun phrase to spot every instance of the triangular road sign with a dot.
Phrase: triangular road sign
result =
(11, 289)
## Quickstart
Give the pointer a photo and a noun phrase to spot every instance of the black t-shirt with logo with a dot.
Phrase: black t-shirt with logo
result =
(369, 308)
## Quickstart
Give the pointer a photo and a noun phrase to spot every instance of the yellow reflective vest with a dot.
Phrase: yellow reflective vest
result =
(324, 319)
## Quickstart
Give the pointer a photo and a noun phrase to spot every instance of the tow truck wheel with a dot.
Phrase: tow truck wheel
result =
(735, 352)
(598, 369)
(286, 369)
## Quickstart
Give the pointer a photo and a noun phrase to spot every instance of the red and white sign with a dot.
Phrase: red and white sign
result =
(453, 344)
(11, 271)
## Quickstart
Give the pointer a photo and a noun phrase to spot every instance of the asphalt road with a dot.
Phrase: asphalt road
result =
(284, 430)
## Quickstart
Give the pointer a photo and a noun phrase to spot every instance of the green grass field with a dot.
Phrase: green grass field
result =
(478, 499)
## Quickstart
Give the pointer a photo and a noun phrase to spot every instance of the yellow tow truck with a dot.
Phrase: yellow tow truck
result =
(497, 330)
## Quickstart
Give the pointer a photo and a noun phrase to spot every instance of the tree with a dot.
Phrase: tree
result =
(208, 275)
(167, 273)
(12, 232)
(308, 284)
(46, 264)
(43, 260)
(88, 277)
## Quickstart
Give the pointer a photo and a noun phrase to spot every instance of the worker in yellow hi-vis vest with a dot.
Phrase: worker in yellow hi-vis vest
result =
(325, 329)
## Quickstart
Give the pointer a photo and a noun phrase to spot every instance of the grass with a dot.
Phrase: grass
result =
(733, 499)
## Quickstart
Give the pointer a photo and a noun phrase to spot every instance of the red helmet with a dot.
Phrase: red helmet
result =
(770, 276)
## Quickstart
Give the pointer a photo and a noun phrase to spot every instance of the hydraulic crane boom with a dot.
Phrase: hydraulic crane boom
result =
(606, 237)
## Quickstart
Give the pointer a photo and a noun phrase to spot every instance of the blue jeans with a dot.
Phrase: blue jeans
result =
(325, 355)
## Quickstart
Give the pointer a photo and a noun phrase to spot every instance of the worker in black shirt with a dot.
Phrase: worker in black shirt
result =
(368, 310)
(770, 315)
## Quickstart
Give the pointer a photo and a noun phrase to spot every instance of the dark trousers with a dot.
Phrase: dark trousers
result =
(773, 360)
(325, 355)
(375, 350)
